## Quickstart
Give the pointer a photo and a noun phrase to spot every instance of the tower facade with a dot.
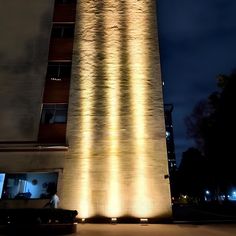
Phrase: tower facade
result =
(112, 159)
(117, 158)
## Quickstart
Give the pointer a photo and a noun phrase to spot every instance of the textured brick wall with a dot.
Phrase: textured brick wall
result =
(117, 157)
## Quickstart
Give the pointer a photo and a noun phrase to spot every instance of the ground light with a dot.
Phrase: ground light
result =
(143, 220)
(113, 220)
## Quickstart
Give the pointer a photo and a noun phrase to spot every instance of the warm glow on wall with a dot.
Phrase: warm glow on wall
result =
(86, 103)
(138, 76)
(119, 158)
(112, 71)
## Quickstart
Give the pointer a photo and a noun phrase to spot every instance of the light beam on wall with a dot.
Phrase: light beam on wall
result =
(87, 83)
(138, 62)
(112, 67)
(119, 150)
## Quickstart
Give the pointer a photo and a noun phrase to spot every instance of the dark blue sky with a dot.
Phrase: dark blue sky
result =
(197, 43)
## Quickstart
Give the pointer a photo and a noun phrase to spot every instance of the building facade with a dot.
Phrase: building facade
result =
(168, 108)
(84, 113)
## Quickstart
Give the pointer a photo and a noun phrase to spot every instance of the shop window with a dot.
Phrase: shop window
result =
(31, 185)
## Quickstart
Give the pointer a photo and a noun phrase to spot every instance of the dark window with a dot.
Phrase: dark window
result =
(63, 31)
(58, 70)
(64, 1)
(68, 31)
(56, 32)
(54, 114)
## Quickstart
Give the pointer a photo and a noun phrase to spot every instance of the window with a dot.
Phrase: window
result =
(54, 114)
(31, 185)
(64, 1)
(2, 177)
(58, 71)
(62, 31)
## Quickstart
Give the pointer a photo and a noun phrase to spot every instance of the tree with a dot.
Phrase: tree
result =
(191, 175)
(212, 126)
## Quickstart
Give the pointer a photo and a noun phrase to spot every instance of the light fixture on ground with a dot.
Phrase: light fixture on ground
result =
(143, 220)
(113, 220)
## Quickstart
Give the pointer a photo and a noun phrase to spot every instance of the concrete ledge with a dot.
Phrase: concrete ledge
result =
(32, 147)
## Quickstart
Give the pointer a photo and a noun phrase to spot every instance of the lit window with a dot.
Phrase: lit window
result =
(29, 185)
(167, 134)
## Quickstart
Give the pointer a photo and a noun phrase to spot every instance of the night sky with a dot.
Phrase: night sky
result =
(197, 43)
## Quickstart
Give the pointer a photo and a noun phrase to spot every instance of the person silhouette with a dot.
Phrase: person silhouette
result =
(54, 201)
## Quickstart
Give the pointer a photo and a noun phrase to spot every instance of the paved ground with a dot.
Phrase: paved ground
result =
(155, 230)
(205, 213)
(215, 220)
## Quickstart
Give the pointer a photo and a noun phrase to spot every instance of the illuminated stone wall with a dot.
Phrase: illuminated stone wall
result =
(117, 149)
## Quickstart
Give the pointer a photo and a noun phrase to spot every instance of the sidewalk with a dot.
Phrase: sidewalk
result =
(155, 230)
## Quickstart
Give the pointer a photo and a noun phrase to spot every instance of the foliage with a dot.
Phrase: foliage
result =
(211, 125)
(191, 174)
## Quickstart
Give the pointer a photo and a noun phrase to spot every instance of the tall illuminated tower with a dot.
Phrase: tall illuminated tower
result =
(116, 164)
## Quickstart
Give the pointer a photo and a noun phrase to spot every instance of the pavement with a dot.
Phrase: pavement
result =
(204, 214)
(155, 230)
(187, 221)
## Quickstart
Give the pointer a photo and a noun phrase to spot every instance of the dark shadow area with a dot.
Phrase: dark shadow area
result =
(32, 221)
(205, 213)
